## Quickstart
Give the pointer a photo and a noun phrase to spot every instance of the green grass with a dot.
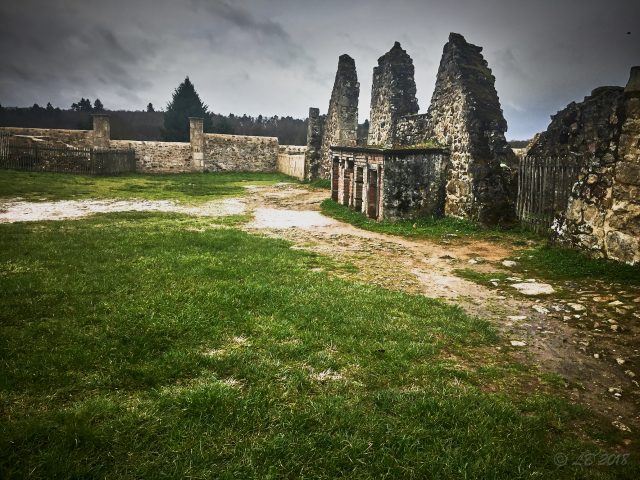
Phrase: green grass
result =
(432, 228)
(557, 263)
(152, 346)
(322, 183)
(482, 278)
(185, 187)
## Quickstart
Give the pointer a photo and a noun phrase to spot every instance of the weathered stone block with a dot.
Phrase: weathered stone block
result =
(629, 173)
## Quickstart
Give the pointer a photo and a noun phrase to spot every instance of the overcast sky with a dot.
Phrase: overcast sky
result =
(278, 57)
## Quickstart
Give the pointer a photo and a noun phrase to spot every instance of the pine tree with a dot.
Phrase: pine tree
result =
(97, 106)
(84, 105)
(184, 104)
(150, 108)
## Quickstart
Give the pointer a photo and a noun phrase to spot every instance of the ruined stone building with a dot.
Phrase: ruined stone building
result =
(452, 160)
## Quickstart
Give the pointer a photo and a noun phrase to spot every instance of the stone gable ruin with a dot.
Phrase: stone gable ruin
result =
(393, 95)
(464, 119)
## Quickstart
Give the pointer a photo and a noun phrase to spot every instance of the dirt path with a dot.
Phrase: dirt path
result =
(587, 334)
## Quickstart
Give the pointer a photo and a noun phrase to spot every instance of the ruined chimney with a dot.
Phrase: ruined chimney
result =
(465, 114)
(101, 134)
(341, 124)
(196, 138)
(393, 94)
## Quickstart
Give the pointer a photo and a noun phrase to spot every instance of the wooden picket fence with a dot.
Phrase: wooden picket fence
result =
(544, 187)
(46, 158)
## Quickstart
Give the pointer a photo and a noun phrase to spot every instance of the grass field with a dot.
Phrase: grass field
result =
(184, 187)
(140, 345)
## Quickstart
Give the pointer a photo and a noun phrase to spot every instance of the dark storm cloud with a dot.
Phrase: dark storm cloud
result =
(279, 56)
(277, 44)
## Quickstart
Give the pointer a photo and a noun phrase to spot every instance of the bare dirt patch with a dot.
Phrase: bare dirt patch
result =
(19, 211)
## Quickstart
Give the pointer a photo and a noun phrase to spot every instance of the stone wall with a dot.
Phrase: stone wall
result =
(315, 130)
(465, 115)
(603, 134)
(51, 137)
(240, 153)
(291, 161)
(158, 157)
(412, 130)
(393, 95)
(204, 152)
(341, 124)
(415, 184)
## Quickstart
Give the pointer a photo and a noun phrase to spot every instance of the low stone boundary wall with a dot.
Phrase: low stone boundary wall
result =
(291, 161)
(204, 151)
(239, 153)
(158, 157)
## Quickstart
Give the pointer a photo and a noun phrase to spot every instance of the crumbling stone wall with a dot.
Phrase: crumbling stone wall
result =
(341, 124)
(315, 130)
(465, 115)
(393, 95)
(240, 153)
(603, 134)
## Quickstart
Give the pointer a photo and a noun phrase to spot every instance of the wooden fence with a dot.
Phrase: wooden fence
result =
(46, 158)
(544, 186)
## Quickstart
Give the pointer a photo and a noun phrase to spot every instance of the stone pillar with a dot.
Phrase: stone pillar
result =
(393, 95)
(196, 138)
(315, 128)
(101, 134)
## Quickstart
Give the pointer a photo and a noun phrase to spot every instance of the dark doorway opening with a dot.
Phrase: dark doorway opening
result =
(372, 194)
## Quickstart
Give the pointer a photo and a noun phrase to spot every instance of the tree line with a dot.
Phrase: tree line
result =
(149, 124)
(172, 124)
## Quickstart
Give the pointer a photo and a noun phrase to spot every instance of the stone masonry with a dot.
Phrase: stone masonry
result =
(465, 115)
(602, 134)
(393, 95)
(341, 124)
